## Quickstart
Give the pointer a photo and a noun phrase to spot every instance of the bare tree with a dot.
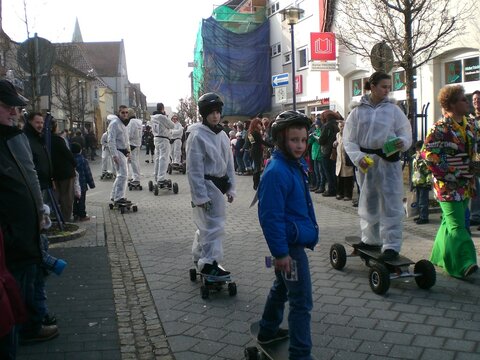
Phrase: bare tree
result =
(415, 30)
(187, 108)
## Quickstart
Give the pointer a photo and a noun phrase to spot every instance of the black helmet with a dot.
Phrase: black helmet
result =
(287, 119)
(209, 102)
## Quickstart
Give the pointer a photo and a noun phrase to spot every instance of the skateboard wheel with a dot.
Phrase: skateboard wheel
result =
(134, 208)
(140, 187)
(122, 210)
(204, 292)
(110, 206)
(193, 274)
(338, 256)
(150, 185)
(232, 289)
(129, 188)
(169, 170)
(251, 353)
(379, 278)
(175, 188)
(169, 183)
(425, 275)
(155, 190)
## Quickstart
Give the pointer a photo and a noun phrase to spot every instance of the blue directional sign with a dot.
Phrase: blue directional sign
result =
(280, 80)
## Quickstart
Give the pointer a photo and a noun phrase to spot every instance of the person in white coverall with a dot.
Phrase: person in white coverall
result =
(107, 166)
(119, 147)
(161, 126)
(135, 130)
(211, 174)
(176, 141)
(373, 125)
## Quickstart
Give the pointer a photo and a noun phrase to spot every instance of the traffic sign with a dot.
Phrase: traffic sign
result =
(280, 94)
(280, 80)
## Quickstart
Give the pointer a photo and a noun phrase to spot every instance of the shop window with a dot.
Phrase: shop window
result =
(471, 69)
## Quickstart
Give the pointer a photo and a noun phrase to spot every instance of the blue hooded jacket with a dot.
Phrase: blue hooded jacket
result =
(285, 208)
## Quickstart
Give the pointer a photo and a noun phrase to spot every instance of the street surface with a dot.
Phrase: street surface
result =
(161, 315)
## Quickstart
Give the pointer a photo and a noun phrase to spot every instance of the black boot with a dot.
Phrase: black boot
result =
(256, 180)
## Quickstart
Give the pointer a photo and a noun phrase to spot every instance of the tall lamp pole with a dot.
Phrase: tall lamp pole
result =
(292, 15)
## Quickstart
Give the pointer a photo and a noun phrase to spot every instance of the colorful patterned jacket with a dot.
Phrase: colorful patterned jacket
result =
(421, 176)
(447, 150)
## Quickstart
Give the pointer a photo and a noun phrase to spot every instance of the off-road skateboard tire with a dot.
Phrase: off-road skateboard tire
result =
(204, 292)
(155, 190)
(193, 274)
(428, 275)
(232, 289)
(134, 208)
(110, 206)
(251, 353)
(379, 278)
(338, 256)
(175, 188)
(150, 185)
(122, 210)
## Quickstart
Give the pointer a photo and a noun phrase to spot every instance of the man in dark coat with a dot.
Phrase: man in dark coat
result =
(327, 138)
(20, 216)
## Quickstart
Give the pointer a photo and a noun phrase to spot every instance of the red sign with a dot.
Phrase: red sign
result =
(322, 46)
(298, 84)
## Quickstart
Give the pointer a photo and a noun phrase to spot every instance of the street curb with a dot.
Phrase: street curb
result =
(71, 236)
(140, 330)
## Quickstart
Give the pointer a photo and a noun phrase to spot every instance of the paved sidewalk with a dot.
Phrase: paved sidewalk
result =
(126, 293)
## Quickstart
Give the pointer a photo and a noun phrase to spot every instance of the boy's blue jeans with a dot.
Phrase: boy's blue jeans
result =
(299, 295)
(422, 202)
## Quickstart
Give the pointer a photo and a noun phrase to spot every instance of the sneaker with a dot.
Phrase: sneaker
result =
(319, 191)
(339, 197)
(147, 161)
(388, 255)
(364, 246)
(85, 218)
(46, 333)
(422, 221)
(122, 201)
(49, 320)
(214, 270)
(280, 335)
(347, 199)
(328, 194)
(470, 270)
(313, 189)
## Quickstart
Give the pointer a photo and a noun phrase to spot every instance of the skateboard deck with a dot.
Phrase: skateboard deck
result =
(374, 254)
(277, 350)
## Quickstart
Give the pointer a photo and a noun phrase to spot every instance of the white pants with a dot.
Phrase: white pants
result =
(107, 164)
(119, 188)
(135, 163)
(162, 155)
(208, 239)
(381, 204)
(177, 151)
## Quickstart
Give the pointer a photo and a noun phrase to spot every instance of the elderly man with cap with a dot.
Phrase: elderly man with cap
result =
(211, 174)
(135, 130)
(21, 217)
(161, 128)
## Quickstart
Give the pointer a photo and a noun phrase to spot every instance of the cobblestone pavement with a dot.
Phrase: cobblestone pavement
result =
(161, 315)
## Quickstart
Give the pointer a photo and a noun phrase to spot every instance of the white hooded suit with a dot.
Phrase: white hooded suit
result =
(208, 154)
(161, 126)
(381, 189)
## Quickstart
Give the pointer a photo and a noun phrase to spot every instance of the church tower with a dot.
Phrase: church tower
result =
(77, 34)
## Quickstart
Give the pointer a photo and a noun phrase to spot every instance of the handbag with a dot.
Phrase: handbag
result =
(410, 204)
(11, 302)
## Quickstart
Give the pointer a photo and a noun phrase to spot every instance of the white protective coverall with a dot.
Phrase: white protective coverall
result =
(135, 129)
(380, 205)
(177, 133)
(161, 126)
(208, 154)
(107, 166)
(118, 140)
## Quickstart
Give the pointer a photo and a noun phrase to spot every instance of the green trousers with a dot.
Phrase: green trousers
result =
(453, 249)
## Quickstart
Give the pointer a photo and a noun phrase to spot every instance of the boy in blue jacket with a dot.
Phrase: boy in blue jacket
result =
(85, 179)
(289, 225)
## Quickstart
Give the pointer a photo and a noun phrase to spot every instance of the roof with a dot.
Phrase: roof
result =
(104, 56)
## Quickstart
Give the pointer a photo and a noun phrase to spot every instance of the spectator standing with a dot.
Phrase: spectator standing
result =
(86, 181)
(90, 145)
(327, 138)
(475, 201)
(316, 156)
(148, 139)
(422, 182)
(344, 168)
(78, 138)
(255, 138)
(63, 172)
(21, 213)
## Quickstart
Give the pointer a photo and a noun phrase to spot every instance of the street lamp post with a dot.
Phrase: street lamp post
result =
(292, 15)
